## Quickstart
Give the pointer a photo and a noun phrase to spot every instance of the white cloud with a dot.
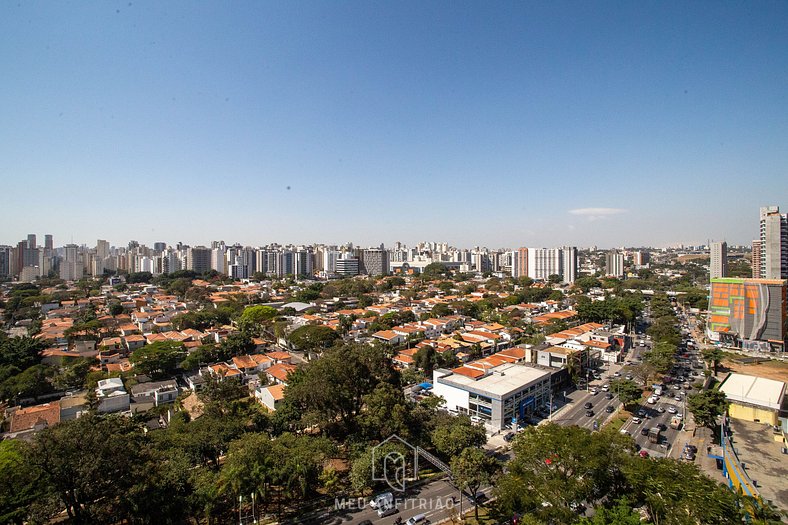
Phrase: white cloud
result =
(593, 214)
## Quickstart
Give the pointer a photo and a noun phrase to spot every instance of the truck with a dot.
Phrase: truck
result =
(653, 435)
(675, 422)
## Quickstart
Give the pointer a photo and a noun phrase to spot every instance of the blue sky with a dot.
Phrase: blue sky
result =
(477, 123)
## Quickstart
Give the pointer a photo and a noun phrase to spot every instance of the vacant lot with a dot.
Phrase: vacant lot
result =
(777, 370)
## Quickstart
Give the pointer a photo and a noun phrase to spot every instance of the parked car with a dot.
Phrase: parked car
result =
(508, 437)
(644, 431)
(636, 420)
(589, 413)
(672, 409)
(609, 409)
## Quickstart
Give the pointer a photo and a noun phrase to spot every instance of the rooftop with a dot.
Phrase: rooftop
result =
(501, 381)
(754, 390)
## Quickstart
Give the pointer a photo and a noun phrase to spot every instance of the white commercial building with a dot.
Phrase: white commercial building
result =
(497, 396)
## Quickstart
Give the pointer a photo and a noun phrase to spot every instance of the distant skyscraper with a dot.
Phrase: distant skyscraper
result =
(569, 264)
(49, 244)
(102, 249)
(6, 256)
(774, 243)
(159, 247)
(31, 241)
(198, 259)
(71, 267)
(718, 266)
(544, 262)
(520, 263)
(756, 259)
(641, 258)
(374, 261)
(614, 264)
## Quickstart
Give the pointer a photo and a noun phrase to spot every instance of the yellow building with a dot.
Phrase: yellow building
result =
(754, 398)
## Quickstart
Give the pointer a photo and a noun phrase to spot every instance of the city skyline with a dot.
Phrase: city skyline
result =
(541, 125)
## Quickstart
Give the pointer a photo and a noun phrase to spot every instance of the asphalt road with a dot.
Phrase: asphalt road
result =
(437, 500)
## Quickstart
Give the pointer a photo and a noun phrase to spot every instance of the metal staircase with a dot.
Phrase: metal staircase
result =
(433, 460)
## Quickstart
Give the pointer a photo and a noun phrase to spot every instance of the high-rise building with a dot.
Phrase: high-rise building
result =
(303, 263)
(641, 258)
(198, 259)
(374, 261)
(102, 249)
(219, 260)
(544, 262)
(347, 266)
(520, 263)
(6, 255)
(31, 241)
(748, 313)
(569, 264)
(49, 244)
(614, 264)
(756, 259)
(718, 265)
(330, 258)
(774, 243)
(159, 247)
(71, 266)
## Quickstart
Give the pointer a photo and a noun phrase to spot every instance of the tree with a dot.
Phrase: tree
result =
(236, 344)
(452, 435)
(73, 374)
(556, 468)
(435, 270)
(621, 513)
(159, 359)
(441, 310)
(678, 493)
(90, 463)
(629, 393)
(313, 338)
(472, 469)
(254, 316)
(714, 356)
(115, 309)
(19, 486)
(707, 406)
(385, 412)
(661, 357)
(425, 359)
(248, 468)
(31, 382)
(329, 392)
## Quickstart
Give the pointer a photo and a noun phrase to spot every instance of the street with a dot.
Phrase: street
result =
(437, 500)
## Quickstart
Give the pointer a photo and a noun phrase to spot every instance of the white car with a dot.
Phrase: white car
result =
(636, 420)
(672, 409)
(651, 401)
(382, 500)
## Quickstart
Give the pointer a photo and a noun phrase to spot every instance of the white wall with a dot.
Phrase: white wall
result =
(454, 397)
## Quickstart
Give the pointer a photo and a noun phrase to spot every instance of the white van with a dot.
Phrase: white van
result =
(382, 500)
